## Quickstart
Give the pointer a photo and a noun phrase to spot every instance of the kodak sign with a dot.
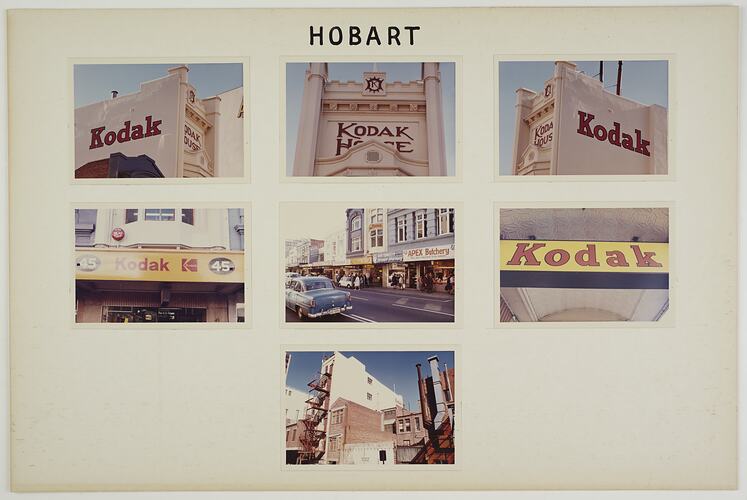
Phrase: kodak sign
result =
(162, 265)
(617, 257)
(582, 264)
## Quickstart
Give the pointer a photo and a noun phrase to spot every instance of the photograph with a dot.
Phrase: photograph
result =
(159, 265)
(378, 119)
(584, 264)
(369, 265)
(129, 117)
(369, 408)
(583, 118)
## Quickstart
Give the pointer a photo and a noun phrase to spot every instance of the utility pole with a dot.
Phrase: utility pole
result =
(601, 71)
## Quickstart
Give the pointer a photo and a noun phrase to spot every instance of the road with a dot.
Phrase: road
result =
(379, 305)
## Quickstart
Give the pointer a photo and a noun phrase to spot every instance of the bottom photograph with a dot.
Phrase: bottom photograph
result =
(369, 407)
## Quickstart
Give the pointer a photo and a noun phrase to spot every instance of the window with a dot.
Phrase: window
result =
(401, 425)
(421, 226)
(355, 244)
(293, 437)
(377, 238)
(417, 423)
(287, 434)
(356, 223)
(160, 214)
(406, 442)
(377, 215)
(337, 416)
(369, 396)
(370, 381)
(445, 220)
(188, 216)
(407, 425)
(334, 443)
(401, 229)
(130, 215)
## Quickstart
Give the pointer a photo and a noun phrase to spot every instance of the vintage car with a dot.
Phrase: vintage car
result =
(313, 297)
(346, 282)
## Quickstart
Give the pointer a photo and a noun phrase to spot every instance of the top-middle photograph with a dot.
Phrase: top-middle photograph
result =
(370, 119)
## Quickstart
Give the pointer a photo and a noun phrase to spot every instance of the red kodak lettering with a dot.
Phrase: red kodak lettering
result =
(522, 252)
(587, 257)
(584, 121)
(613, 135)
(644, 259)
(557, 257)
(615, 258)
(96, 138)
(127, 133)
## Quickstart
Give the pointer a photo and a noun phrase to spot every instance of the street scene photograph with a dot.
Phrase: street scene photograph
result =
(373, 408)
(368, 265)
(584, 264)
(370, 119)
(159, 265)
(159, 120)
(583, 117)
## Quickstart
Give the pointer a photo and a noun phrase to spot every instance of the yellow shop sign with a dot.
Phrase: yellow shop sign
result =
(159, 265)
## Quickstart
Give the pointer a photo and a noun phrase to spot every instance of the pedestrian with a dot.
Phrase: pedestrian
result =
(452, 282)
(449, 284)
(393, 282)
(357, 282)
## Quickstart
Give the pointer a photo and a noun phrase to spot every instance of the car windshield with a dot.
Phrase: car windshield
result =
(316, 285)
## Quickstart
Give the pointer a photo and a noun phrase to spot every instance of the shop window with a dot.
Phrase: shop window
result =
(130, 215)
(126, 314)
(188, 216)
(160, 214)
(401, 229)
(356, 223)
(445, 220)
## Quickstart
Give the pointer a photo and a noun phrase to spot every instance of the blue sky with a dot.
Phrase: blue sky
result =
(405, 72)
(94, 82)
(642, 81)
(391, 368)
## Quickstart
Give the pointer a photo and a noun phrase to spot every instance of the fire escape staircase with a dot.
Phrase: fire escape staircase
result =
(316, 411)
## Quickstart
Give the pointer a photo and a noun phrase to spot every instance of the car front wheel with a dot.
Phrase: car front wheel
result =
(299, 312)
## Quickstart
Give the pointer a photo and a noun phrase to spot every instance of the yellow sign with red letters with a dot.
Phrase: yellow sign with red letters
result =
(584, 256)
(159, 265)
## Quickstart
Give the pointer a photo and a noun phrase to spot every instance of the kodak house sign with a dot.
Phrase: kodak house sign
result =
(350, 134)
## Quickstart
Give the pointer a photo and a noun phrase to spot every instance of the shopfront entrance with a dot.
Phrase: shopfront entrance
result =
(128, 314)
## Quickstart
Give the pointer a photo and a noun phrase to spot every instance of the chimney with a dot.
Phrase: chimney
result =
(423, 402)
(438, 392)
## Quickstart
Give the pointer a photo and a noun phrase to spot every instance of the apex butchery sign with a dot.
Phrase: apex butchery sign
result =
(143, 123)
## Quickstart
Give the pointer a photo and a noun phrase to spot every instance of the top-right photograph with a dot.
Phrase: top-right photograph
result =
(583, 117)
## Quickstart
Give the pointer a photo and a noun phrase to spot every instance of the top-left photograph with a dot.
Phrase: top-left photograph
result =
(159, 120)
